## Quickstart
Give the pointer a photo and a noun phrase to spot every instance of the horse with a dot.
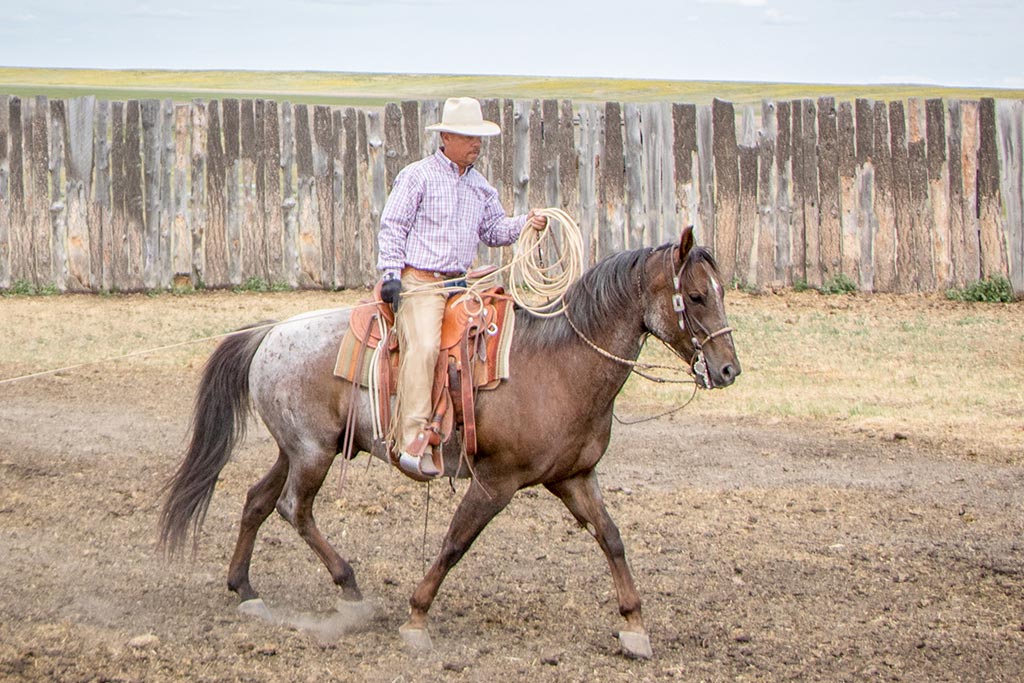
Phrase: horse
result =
(548, 424)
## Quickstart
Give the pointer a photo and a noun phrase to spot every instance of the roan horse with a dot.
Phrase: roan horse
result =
(549, 423)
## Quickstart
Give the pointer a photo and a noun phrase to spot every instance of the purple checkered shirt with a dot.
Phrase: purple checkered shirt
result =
(434, 218)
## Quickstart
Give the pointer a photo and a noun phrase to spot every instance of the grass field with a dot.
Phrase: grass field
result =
(359, 89)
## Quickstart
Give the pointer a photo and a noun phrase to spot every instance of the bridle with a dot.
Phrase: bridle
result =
(687, 323)
(697, 363)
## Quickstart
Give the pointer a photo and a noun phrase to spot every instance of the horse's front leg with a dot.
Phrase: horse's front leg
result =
(477, 508)
(582, 495)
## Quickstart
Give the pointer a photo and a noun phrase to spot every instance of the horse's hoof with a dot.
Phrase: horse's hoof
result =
(416, 639)
(636, 645)
(255, 608)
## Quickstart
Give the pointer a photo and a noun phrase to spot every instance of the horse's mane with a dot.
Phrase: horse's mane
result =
(605, 293)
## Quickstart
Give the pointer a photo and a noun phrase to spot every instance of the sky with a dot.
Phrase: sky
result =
(938, 42)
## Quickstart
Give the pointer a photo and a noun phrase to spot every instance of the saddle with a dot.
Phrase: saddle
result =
(476, 334)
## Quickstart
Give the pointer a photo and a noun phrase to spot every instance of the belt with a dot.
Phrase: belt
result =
(434, 274)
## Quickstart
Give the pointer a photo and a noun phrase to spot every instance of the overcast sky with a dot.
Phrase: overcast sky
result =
(946, 42)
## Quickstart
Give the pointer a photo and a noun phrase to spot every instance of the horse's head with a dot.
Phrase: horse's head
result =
(684, 306)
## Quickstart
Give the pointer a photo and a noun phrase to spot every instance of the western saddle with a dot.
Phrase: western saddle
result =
(475, 336)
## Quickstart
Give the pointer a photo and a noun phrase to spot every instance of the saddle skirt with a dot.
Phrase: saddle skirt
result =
(476, 336)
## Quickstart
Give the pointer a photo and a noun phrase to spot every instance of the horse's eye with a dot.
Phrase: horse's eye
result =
(696, 299)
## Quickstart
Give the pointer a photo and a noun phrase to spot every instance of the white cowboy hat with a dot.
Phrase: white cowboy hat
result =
(462, 115)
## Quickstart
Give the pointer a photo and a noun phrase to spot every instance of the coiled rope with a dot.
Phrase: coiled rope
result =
(539, 286)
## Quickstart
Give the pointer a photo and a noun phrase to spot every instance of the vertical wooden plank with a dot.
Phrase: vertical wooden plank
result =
(747, 223)
(727, 186)
(100, 206)
(650, 158)
(119, 280)
(885, 211)
(767, 190)
(537, 185)
(39, 199)
(19, 240)
(746, 237)
(798, 227)
(612, 221)
(829, 222)
(568, 159)
(274, 194)
(339, 246)
(168, 161)
(811, 194)
(79, 128)
(849, 230)
(922, 253)
(637, 229)
(412, 131)
(259, 233)
(351, 273)
(507, 186)
(784, 194)
(252, 246)
(664, 189)
(152, 147)
(901, 199)
(181, 228)
(289, 198)
(5, 193)
(323, 173)
(216, 237)
(134, 200)
(430, 113)
(1010, 143)
(706, 178)
(521, 157)
(590, 155)
(324, 154)
(970, 132)
(232, 191)
(549, 148)
(993, 243)
(489, 165)
(58, 202)
(938, 193)
(864, 189)
(955, 190)
(394, 148)
(684, 154)
(199, 135)
(378, 192)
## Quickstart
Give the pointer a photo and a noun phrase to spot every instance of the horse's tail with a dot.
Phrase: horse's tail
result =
(218, 423)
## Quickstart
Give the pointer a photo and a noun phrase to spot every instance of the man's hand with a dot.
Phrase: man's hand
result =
(391, 292)
(536, 221)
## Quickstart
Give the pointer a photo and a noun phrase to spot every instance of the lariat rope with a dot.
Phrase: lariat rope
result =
(535, 285)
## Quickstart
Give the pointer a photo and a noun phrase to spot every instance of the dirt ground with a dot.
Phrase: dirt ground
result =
(765, 549)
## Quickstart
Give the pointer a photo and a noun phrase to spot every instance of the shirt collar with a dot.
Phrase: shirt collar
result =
(442, 159)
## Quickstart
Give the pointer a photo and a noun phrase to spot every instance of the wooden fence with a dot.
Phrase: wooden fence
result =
(896, 196)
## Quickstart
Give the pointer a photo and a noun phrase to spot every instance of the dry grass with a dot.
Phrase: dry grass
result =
(940, 370)
(321, 87)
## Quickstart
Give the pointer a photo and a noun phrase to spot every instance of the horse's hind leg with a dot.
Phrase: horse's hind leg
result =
(305, 477)
(259, 503)
(582, 495)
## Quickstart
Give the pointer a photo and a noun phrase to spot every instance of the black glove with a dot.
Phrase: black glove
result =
(390, 292)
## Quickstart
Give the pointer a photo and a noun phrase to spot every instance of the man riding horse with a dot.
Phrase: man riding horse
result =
(438, 212)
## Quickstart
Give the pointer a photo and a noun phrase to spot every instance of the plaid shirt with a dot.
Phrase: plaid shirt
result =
(434, 219)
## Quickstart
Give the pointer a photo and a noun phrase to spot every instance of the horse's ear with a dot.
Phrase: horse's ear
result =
(686, 242)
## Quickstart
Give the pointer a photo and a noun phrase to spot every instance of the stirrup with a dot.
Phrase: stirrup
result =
(420, 468)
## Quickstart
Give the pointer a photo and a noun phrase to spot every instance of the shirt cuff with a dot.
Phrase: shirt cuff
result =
(391, 274)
